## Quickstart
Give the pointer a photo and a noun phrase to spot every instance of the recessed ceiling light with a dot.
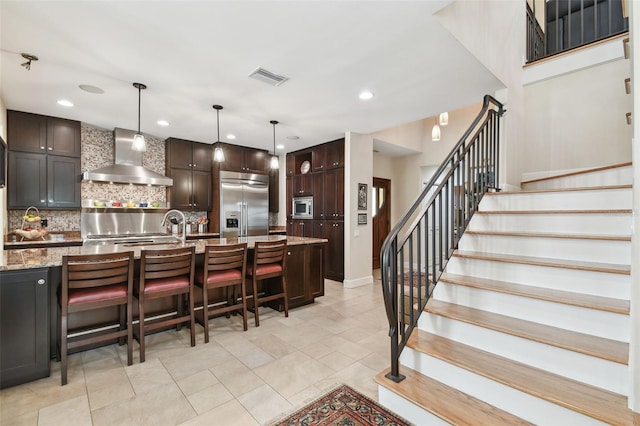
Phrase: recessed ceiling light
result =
(280, 146)
(91, 89)
(65, 103)
(365, 95)
(163, 123)
(231, 136)
(293, 137)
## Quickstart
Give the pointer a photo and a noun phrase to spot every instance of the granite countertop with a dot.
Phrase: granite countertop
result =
(50, 257)
(63, 237)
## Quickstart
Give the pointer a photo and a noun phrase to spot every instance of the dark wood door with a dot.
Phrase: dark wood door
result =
(63, 182)
(291, 164)
(180, 153)
(289, 189)
(201, 156)
(335, 154)
(201, 190)
(256, 161)
(381, 212)
(302, 184)
(27, 180)
(334, 262)
(233, 158)
(315, 263)
(318, 195)
(318, 158)
(26, 132)
(63, 137)
(274, 190)
(334, 193)
(295, 275)
(24, 326)
(181, 190)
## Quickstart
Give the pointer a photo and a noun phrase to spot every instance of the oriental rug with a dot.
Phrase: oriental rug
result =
(342, 406)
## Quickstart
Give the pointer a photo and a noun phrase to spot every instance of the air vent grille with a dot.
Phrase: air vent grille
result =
(268, 77)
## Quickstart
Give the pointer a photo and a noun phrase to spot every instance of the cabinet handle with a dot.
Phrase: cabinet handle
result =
(50, 149)
(41, 281)
(51, 201)
(288, 253)
(194, 165)
(42, 147)
(42, 201)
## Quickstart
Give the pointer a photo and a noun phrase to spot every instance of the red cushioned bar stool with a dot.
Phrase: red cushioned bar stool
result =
(165, 273)
(268, 263)
(223, 268)
(91, 282)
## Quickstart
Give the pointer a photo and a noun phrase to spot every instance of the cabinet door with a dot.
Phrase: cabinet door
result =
(318, 195)
(289, 201)
(335, 154)
(302, 184)
(181, 190)
(233, 158)
(334, 193)
(318, 229)
(274, 191)
(318, 158)
(295, 271)
(27, 132)
(27, 180)
(63, 182)
(256, 161)
(202, 156)
(201, 188)
(24, 326)
(180, 153)
(315, 264)
(334, 262)
(291, 164)
(290, 229)
(63, 137)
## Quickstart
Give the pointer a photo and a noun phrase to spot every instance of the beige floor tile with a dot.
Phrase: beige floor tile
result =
(161, 406)
(316, 350)
(148, 375)
(70, 412)
(293, 373)
(239, 382)
(106, 387)
(231, 413)
(272, 345)
(191, 360)
(29, 418)
(376, 361)
(346, 347)
(197, 382)
(265, 404)
(305, 396)
(209, 398)
(336, 361)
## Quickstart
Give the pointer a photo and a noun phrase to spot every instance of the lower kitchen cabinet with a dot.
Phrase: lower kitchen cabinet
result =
(334, 262)
(24, 326)
(304, 275)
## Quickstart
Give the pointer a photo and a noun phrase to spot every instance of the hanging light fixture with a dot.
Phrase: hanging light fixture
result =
(139, 143)
(444, 118)
(275, 162)
(218, 155)
(435, 132)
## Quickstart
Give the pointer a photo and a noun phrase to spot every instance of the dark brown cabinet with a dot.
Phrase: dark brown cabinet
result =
(44, 181)
(334, 264)
(24, 326)
(244, 160)
(334, 194)
(289, 189)
(189, 165)
(335, 154)
(304, 273)
(291, 164)
(300, 227)
(319, 158)
(274, 191)
(302, 184)
(318, 196)
(42, 134)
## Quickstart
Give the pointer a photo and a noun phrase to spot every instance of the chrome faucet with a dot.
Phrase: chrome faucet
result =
(184, 222)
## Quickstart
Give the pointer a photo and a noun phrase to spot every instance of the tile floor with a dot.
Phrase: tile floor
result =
(238, 378)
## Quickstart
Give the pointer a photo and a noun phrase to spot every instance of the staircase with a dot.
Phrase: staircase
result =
(529, 322)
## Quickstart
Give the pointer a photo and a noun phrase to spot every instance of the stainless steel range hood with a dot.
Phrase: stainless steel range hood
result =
(127, 167)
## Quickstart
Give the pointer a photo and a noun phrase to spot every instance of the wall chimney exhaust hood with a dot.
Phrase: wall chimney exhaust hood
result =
(127, 167)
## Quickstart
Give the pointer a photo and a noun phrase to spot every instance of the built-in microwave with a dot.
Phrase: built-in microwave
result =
(302, 208)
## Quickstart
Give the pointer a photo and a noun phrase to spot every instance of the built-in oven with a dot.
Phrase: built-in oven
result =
(302, 208)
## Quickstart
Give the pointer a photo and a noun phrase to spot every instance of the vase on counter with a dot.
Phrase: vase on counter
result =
(202, 228)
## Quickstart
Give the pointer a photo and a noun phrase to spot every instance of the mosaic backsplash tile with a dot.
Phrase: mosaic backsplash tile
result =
(57, 220)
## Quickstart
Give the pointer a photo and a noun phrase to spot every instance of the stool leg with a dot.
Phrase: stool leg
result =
(205, 311)
(123, 319)
(192, 316)
(255, 301)
(243, 295)
(141, 326)
(63, 349)
(179, 311)
(286, 297)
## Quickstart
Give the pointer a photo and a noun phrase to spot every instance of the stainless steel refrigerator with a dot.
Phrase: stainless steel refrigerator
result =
(244, 204)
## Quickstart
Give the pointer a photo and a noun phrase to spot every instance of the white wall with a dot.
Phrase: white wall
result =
(578, 120)
(3, 191)
(357, 238)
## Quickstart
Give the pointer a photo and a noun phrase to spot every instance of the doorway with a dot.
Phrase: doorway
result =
(381, 214)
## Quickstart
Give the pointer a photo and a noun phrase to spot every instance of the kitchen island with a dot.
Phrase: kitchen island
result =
(35, 331)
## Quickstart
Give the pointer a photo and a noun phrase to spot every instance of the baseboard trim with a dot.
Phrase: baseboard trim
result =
(358, 282)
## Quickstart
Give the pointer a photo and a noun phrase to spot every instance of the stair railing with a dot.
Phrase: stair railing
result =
(415, 252)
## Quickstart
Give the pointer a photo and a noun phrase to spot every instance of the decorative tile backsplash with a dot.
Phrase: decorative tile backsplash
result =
(57, 220)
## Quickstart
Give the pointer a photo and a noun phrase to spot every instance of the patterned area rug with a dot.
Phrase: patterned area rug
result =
(342, 406)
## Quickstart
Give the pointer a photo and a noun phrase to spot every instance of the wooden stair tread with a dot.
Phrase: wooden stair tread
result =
(552, 235)
(577, 173)
(607, 349)
(598, 403)
(543, 261)
(614, 211)
(582, 188)
(446, 402)
(607, 304)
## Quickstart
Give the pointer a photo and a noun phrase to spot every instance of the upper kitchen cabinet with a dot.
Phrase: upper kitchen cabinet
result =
(42, 134)
(183, 154)
(319, 158)
(335, 154)
(291, 164)
(244, 160)
(43, 181)
(274, 189)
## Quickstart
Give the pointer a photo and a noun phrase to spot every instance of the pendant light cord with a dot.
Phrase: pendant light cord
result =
(139, 91)
(218, 124)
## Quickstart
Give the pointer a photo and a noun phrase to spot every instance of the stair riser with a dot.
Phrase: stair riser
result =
(603, 251)
(617, 176)
(580, 224)
(409, 410)
(523, 405)
(612, 199)
(589, 321)
(604, 284)
(587, 369)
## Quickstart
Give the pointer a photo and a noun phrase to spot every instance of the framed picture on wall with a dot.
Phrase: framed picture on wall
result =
(362, 218)
(362, 197)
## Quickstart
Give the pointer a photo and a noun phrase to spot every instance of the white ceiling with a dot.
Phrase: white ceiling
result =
(195, 54)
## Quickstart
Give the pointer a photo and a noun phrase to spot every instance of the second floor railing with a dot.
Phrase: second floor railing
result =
(416, 250)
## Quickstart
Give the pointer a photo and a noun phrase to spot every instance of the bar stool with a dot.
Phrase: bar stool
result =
(92, 282)
(224, 267)
(268, 262)
(165, 273)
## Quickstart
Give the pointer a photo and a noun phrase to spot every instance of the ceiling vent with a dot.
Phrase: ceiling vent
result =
(268, 77)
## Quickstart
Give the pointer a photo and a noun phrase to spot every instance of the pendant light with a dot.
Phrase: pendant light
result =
(218, 154)
(435, 132)
(444, 118)
(275, 163)
(139, 143)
